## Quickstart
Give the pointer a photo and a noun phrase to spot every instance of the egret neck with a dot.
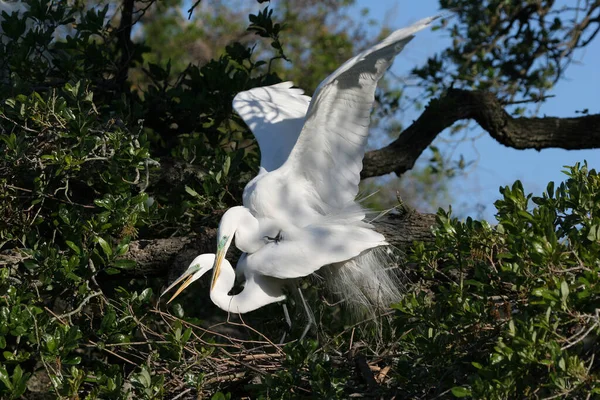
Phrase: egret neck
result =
(242, 302)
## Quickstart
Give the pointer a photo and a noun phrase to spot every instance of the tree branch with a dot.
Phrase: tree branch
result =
(519, 133)
(161, 256)
(124, 41)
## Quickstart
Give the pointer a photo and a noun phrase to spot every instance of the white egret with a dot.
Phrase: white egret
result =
(300, 212)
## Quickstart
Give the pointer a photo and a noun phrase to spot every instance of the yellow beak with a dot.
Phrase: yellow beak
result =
(198, 267)
(182, 287)
(217, 268)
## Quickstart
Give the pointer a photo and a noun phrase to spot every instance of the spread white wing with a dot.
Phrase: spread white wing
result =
(332, 143)
(275, 114)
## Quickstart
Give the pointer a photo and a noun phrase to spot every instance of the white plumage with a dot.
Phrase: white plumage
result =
(300, 212)
(276, 115)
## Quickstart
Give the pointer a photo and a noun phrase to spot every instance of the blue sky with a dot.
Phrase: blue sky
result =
(496, 165)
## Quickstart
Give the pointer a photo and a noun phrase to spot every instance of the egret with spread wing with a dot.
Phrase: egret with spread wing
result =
(300, 212)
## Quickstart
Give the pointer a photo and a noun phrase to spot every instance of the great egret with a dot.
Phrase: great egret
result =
(299, 212)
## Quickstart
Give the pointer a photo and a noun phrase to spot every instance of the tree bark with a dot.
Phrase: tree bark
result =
(160, 257)
(520, 133)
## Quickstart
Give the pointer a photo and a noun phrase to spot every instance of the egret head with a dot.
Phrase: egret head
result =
(198, 267)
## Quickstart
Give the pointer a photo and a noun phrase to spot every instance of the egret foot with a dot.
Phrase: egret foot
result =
(309, 316)
(288, 321)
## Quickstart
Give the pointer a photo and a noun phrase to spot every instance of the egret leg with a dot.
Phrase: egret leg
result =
(309, 316)
(287, 320)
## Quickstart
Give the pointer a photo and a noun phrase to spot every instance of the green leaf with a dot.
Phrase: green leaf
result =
(71, 360)
(145, 295)
(186, 335)
(550, 189)
(74, 247)
(192, 192)
(562, 364)
(17, 375)
(226, 166)
(105, 246)
(112, 271)
(4, 377)
(564, 290)
(496, 358)
(594, 233)
(50, 342)
(459, 391)
(473, 282)
(122, 249)
(124, 264)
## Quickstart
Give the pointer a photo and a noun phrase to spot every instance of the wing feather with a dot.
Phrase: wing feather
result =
(332, 143)
(275, 114)
(303, 251)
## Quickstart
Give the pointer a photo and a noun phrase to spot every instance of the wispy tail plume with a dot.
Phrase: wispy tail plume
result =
(368, 284)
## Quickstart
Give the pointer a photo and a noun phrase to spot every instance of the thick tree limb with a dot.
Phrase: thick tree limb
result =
(519, 133)
(161, 256)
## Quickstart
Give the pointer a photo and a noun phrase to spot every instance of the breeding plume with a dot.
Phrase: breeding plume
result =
(300, 212)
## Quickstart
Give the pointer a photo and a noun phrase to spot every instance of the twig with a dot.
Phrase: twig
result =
(254, 330)
(181, 394)
(191, 10)
(351, 339)
(224, 378)
(261, 356)
(48, 196)
(228, 354)
(585, 334)
(17, 124)
(56, 317)
(78, 309)
(113, 353)
(46, 366)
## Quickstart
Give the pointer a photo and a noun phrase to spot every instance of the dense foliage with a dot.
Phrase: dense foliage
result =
(512, 310)
(92, 161)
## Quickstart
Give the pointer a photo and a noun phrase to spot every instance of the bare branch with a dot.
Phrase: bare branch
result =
(457, 104)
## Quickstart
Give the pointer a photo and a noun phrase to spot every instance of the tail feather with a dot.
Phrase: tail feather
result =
(368, 284)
